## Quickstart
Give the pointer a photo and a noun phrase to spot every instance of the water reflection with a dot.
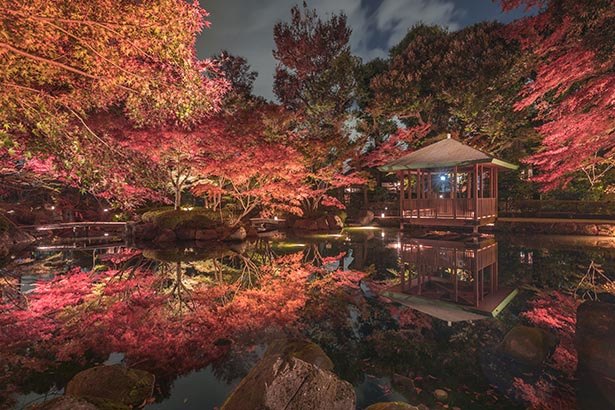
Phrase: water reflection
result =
(202, 313)
(438, 277)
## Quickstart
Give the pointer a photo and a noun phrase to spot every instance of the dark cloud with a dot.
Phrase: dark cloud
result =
(245, 27)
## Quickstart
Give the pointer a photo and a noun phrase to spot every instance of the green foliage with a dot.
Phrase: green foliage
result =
(171, 219)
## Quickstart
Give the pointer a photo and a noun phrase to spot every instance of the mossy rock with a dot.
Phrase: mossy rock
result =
(197, 218)
(111, 387)
(528, 345)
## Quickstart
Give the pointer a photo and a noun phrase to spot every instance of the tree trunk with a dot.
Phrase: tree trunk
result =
(178, 197)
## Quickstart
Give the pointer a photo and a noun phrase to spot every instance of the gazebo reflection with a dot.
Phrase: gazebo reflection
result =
(451, 280)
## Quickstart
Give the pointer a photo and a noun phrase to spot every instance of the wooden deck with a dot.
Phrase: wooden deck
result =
(451, 312)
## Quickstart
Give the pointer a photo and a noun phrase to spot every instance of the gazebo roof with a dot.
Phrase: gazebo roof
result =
(446, 153)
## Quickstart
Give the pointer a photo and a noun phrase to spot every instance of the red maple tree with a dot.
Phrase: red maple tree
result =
(573, 90)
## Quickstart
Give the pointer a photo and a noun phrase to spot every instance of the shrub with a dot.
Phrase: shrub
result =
(172, 219)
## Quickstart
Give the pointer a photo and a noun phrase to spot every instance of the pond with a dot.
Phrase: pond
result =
(399, 316)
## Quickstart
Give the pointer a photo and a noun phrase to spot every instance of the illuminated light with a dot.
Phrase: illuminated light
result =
(442, 178)
(386, 208)
(53, 208)
(106, 210)
(275, 218)
(10, 211)
(106, 234)
(382, 215)
(382, 234)
(291, 245)
(441, 196)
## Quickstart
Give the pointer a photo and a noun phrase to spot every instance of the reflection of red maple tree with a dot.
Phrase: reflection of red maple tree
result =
(555, 312)
(133, 311)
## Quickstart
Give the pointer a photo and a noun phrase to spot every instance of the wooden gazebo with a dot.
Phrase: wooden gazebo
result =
(448, 183)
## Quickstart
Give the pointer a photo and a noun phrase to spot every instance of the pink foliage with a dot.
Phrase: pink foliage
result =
(574, 89)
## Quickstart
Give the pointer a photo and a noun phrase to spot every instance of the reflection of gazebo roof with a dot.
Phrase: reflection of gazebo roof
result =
(446, 153)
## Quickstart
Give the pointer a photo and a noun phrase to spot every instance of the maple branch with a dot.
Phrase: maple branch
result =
(92, 49)
(57, 64)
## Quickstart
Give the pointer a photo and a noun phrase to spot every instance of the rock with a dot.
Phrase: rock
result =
(145, 231)
(306, 225)
(186, 234)
(65, 403)
(206, 234)
(116, 383)
(301, 349)
(278, 383)
(404, 385)
(365, 217)
(392, 405)
(238, 234)
(528, 345)
(166, 235)
(334, 222)
(441, 395)
(595, 336)
(594, 341)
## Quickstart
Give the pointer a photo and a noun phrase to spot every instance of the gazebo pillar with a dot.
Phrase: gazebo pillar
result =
(475, 191)
(455, 193)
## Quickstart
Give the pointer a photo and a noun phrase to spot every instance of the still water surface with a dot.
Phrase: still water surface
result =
(354, 318)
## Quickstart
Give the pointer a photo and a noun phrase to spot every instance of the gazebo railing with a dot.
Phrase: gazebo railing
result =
(450, 208)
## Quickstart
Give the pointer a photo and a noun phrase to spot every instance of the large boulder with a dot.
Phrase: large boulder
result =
(595, 338)
(65, 403)
(286, 383)
(301, 349)
(306, 225)
(116, 383)
(186, 234)
(145, 231)
(392, 405)
(165, 236)
(206, 234)
(365, 217)
(528, 345)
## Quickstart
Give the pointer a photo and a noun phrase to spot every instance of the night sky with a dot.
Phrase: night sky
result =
(245, 27)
